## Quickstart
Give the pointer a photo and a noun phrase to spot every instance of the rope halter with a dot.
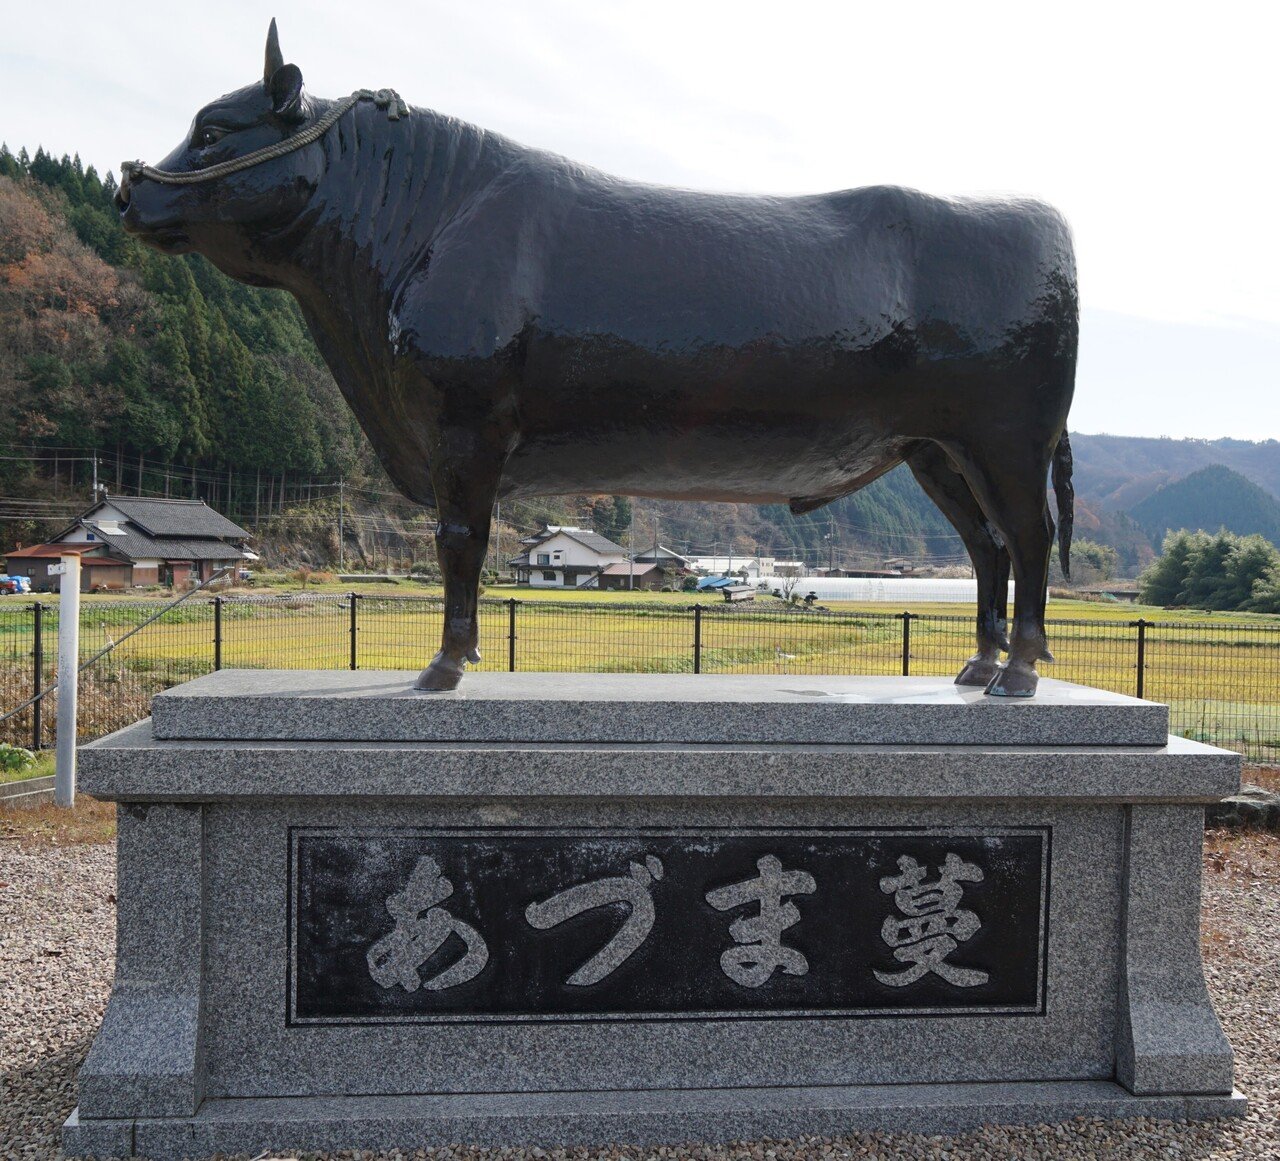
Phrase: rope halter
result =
(387, 99)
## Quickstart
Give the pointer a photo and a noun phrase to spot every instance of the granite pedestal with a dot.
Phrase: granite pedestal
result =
(591, 909)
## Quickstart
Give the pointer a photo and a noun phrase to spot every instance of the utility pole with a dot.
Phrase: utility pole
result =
(631, 551)
(95, 476)
(497, 537)
(655, 562)
(342, 544)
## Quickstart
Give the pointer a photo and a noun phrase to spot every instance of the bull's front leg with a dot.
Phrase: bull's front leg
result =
(460, 546)
(466, 486)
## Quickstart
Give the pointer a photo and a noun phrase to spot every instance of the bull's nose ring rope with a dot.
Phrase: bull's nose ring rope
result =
(387, 99)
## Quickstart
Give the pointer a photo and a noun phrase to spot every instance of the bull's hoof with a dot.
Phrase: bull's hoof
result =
(978, 671)
(442, 674)
(1016, 679)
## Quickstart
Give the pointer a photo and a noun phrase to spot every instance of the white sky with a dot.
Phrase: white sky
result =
(1152, 126)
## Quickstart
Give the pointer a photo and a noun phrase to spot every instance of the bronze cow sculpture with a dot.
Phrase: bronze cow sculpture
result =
(505, 322)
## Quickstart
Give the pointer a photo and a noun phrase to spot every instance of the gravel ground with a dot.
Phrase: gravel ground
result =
(57, 943)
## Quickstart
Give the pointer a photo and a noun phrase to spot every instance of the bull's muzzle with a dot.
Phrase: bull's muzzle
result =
(130, 171)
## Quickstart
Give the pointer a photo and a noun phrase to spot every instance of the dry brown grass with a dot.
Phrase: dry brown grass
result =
(1268, 777)
(89, 821)
(1246, 856)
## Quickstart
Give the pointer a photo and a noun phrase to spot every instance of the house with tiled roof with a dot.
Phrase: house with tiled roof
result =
(126, 542)
(561, 557)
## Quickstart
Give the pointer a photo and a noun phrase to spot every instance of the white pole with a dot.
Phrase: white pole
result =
(64, 780)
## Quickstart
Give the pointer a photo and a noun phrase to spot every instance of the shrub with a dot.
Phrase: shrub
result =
(1223, 571)
(14, 759)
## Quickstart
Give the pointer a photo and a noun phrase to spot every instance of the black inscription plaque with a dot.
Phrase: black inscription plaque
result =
(518, 924)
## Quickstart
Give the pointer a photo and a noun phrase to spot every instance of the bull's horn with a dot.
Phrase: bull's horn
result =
(275, 59)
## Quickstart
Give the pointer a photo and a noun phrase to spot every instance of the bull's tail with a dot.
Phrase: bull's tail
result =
(1065, 494)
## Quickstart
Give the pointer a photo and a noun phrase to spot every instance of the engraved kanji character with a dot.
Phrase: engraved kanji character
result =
(934, 925)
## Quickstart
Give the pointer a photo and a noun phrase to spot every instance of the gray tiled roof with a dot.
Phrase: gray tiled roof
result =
(137, 545)
(594, 541)
(186, 518)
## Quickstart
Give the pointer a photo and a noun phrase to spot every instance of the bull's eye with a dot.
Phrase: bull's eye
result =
(210, 135)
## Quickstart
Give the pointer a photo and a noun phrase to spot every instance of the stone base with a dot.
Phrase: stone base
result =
(707, 1116)
(362, 919)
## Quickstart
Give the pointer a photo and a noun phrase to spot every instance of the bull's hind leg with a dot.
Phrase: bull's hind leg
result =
(1011, 486)
(944, 485)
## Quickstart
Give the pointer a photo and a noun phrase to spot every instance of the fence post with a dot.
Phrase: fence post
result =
(217, 633)
(697, 638)
(906, 643)
(64, 770)
(1141, 625)
(353, 597)
(511, 635)
(37, 672)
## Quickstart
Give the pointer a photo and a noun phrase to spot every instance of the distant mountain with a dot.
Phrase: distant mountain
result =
(1117, 472)
(1211, 498)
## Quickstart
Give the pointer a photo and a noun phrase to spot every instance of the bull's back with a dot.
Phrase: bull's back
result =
(677, 268)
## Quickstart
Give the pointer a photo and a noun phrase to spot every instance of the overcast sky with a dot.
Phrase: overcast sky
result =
(1151, 126)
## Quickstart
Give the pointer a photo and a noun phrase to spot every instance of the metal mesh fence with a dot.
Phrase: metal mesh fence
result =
(1221, 683)
(1221, 680)
(20, 672)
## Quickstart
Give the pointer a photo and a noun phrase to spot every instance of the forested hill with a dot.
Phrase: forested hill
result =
(106, 344)
(1212, 498)
(1120, 471)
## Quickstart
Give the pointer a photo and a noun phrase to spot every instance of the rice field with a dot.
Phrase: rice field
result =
(1221, 677)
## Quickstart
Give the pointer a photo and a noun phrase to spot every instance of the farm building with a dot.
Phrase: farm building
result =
(660, 554)
(754, 568)
(655, 568)
(125, 542)
(636, 575)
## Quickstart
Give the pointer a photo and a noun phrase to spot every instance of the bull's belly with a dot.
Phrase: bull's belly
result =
(763, 468)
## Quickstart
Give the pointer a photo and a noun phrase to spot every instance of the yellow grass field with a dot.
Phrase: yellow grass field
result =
(1219, 673)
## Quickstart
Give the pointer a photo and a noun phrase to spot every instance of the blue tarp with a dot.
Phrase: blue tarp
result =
(718, 582)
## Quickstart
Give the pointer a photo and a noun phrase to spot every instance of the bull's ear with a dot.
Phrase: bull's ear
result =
(275, 59)
(286, 93)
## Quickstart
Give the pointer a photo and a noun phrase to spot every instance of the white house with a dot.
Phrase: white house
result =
(559, 557)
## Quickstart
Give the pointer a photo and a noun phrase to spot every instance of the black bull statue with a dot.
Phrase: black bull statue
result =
(504, 322)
